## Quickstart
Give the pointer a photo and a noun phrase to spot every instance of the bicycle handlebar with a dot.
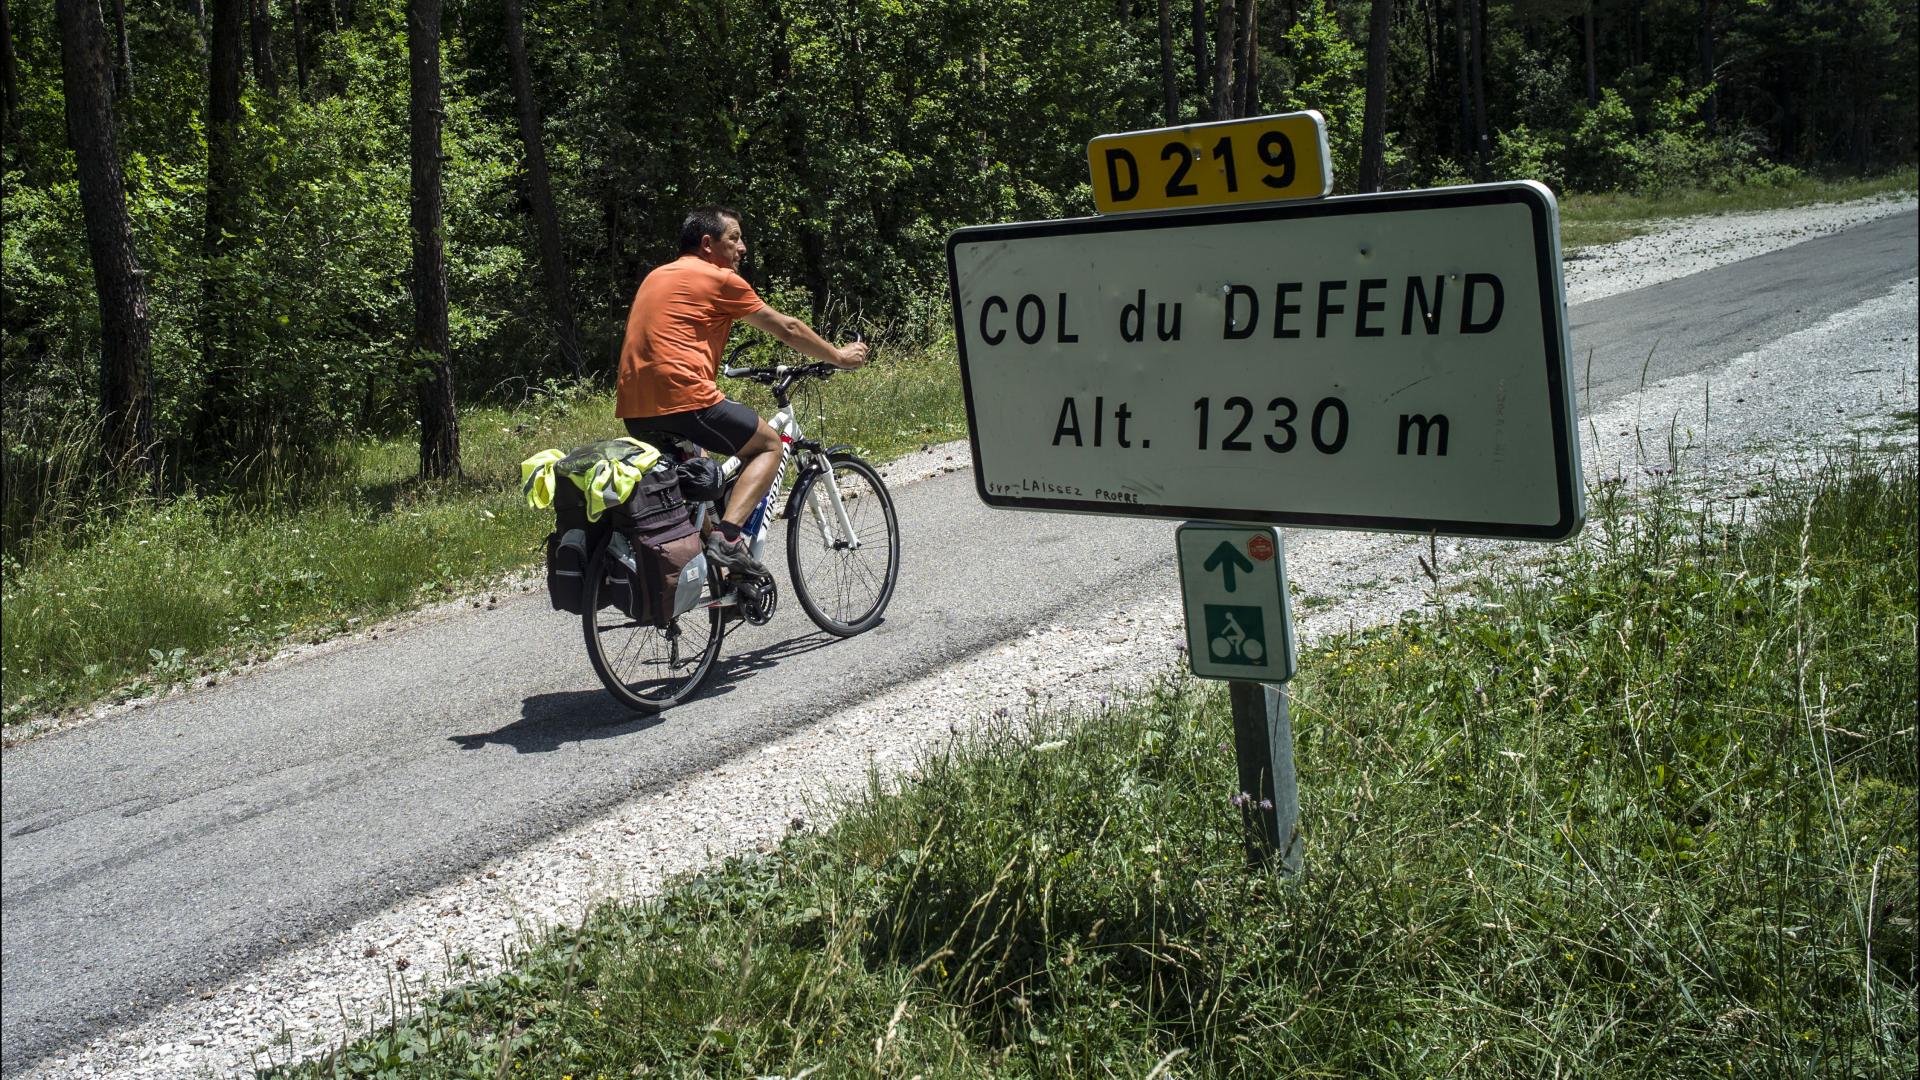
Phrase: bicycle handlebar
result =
(770, 375)
(778, 372)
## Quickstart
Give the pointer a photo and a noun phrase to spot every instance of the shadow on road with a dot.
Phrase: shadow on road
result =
(550, 721)
(730, 668)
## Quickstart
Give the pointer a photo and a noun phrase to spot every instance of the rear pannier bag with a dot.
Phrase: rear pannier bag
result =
(569, 546)
(662, 542)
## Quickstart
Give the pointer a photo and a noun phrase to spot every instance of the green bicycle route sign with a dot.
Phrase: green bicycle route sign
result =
(1233, 580)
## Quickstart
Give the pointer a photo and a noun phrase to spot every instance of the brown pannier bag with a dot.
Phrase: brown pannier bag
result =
(658, 526)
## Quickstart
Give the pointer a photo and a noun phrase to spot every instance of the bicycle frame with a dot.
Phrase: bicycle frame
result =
(787, 426)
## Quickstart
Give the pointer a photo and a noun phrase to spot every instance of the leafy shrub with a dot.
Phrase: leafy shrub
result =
(1520, 154)
(1603, 154)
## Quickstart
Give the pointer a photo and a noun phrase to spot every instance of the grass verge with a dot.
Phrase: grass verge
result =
(160, 594)
(1651, 812)
(1586, 220)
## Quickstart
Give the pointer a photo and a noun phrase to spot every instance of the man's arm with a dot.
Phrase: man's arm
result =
(798, 335)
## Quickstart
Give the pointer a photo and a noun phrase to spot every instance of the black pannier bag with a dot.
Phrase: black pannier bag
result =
(661, 540)
(569, 546)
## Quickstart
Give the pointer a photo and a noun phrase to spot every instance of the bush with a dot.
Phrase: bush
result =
(1522, 155)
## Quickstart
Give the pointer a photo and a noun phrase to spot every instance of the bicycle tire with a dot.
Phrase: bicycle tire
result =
(838, 586)
(640, 664)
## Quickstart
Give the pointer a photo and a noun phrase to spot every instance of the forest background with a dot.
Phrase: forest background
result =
(241, 235)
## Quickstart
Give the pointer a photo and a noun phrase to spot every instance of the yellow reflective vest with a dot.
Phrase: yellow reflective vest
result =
(605, 473)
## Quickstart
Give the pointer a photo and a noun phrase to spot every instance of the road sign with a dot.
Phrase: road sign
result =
(1233, 580)
(1393, 362)
(1227, 163)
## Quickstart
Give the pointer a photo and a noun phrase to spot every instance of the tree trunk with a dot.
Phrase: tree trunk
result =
(126, 399)
(9, 69)
(1169, 82)
(1462, 23)
(1223, 60)
(439, 425)
(122, 55)
(1710, 108)
(219, 406)
(1593, 80)
(1481, 148)
(299, 44)
(1245, 92)
(1373, 131)
(553, 258)
(263, 48)
(1202, 84)
(1431, 52)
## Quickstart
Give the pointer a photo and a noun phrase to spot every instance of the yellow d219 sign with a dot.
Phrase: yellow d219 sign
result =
(1234, 161)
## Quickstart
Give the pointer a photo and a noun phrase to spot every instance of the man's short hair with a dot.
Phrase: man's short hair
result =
(702, 222)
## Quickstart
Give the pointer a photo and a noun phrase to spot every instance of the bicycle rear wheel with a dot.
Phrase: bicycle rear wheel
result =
(643, 666)
(844, 569)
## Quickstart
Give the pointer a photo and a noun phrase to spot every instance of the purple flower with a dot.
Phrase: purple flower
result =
(1266, 804)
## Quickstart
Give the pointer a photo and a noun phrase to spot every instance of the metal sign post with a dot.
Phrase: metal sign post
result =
(1269, 795)
(1233, 584)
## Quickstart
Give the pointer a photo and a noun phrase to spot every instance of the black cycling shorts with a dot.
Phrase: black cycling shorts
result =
(724, 428)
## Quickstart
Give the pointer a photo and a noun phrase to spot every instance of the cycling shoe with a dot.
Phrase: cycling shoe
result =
(734, 555)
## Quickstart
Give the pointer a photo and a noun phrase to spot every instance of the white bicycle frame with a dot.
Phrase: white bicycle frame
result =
(787, 426)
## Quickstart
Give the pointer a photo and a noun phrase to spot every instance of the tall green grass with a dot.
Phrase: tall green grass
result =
(1648, 813)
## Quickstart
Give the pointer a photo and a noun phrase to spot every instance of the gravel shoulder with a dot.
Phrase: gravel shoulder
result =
(1845, 381)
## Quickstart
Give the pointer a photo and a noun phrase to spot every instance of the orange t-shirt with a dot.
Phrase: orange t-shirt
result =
(676, 333)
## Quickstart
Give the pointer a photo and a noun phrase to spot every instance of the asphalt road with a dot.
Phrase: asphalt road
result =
(162, 851)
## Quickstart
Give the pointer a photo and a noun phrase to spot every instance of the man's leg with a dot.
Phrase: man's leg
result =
(759, 463)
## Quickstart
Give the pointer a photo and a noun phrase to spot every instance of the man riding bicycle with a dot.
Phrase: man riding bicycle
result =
(670, 361)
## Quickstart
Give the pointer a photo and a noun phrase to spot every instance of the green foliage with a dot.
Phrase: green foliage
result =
(1651, 812)
(1519, 154)
(1327, 70)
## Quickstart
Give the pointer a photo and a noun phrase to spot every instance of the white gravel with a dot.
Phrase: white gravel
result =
(1828, 386)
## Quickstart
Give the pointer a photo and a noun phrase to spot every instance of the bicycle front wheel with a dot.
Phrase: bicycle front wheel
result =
(646, 667)
(843, 545)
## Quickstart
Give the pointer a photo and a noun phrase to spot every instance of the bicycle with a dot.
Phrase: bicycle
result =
(843, 559)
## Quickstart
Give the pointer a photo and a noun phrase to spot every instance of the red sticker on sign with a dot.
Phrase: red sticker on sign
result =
(1261, 547)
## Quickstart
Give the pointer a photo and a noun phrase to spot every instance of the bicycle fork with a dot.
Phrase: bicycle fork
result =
(852, 539)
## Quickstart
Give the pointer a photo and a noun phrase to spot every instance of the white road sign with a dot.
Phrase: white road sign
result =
(1233, 580)
(1394, 362)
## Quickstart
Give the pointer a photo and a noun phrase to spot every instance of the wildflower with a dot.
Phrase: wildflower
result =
(1266, 804)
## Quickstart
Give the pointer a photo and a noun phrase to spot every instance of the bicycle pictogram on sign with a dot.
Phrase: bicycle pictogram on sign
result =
(1236, 635)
